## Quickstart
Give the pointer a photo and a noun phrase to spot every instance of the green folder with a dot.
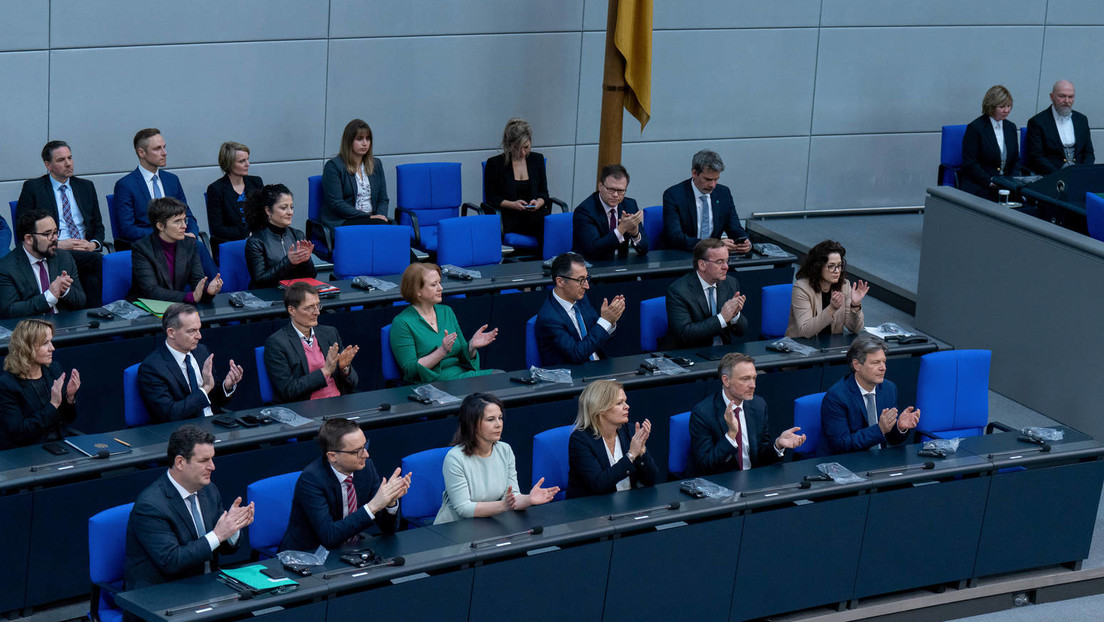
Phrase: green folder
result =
(252, 577)
(156, 307)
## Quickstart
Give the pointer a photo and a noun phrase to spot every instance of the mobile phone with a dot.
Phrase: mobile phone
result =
(56, 448)
(524, 379)
(273, 573)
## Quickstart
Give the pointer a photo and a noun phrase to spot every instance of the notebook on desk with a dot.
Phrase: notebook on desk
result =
(92, 444)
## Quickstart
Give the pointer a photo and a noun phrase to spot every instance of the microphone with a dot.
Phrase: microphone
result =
(357, 571)
(507, 539)
(99, 455)
(383, 407)
(1018, 453)
(774, 490)
(639, 514)
(927, 466)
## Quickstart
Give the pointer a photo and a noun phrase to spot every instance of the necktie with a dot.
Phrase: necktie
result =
(712, 300)
(739, 439)
(613, 219)
(43, 278)
(705, 223)
(579, 320)
(193, 506)
(350, 494)
(871, 409)
(192, 383)
(67, 213)
(156, 189)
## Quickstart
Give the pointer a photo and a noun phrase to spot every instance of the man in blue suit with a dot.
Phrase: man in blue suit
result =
(568, 329)
(608, 222)
(340, 494)
(860, 411)
(701, 208)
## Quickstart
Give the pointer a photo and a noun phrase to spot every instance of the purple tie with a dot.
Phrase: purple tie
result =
(44, 279)
(613, 219)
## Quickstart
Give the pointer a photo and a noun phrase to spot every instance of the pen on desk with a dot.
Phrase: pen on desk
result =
(119, 440)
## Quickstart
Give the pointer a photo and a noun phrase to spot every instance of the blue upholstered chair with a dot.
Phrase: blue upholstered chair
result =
(776, 310)
(1094, 214)
(653, 226)
(469, 240)
(319, 233)
(950, 154)
(558, 235)
(235, 274)
(520, 242)
(117, 274)
(532, 353)
(678, 447)
(5, 237)
(113, 217)
(272, 498)
(263, 383)
(423, 500)
(807, 417)
(389, 367)
(13, 205)
(134, 409)
(428, 192)
(370, 250)
(952, 392)
(653, 322)
(107, 560)
(550, 458)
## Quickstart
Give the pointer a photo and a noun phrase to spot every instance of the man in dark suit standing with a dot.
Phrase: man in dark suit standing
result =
(568, 329)
(860, 411)
(1058, 136)
(704, 307)
(729, 431)
(608, 222)
(700, 208)
(340, 494)
(304, 360)
(73, 203)
(36, 278)
(171, 381)
(179, 523)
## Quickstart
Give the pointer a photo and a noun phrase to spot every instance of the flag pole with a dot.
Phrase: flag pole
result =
(613, 97)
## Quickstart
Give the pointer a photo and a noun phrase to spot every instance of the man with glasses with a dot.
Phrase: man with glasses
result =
(608, 222)
(36, 277)
(568, 329)
(704, 307)
(340, 494)
(305, 361)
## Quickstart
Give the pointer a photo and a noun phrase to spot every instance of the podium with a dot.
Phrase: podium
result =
(1060, 196)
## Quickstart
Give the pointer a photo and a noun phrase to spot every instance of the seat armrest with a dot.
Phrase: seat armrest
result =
(562, 204)
(413, 221)
(487, 208)
(478, 209)
(326, 233)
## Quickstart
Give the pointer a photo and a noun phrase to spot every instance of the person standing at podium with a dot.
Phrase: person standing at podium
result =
(990, 146)
(1058, 136)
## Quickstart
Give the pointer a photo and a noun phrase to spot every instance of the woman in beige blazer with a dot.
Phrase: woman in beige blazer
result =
(824, 302)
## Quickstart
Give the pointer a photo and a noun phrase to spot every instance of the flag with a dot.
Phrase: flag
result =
(633, 39)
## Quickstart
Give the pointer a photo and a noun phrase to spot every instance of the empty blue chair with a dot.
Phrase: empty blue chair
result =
(653, 226)
(950, 154)
(532, 353)
(134, 409)
(389, 367)
(263, 383)
(807, 417)
(653, 322)
(558, 235)
(319, 233)
(271, 497)
(678, 446)
(427, 193)
(113, 217)
(107, 560)
(1094, 214)
(550, 458)
(235, 274)
(13, 205)
(469, 240)
(423, 500)
(1023, 141)
(952, 392)
(117, 274)
(371, 250)
(776, 310)
(5, 237)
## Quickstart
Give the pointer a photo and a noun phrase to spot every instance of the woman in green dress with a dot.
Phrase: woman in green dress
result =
(426, 338)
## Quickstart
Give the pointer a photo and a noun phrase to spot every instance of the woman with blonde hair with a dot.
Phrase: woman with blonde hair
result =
(226, 196)
(36, 402)
(515, 182)
(602, 455)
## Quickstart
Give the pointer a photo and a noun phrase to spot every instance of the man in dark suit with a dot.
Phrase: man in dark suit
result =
(73, 203)
(860, 411)
(568, 329)
(304, 360)
(1058, 136)
(608, 222)
(36, 278)
(704, 307)
(700, 208)
(729, 431)
(171, 381)
(179, 522)
(340, 494)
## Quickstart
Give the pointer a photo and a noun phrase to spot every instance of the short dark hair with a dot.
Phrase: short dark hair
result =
(143, 136)
(171, 319)
(561, 265)
(703, 246)
(163, 209)
(48, 150)
(730, 361)
(864, 344)
(25, 225)
(813, 265)
(258, 204)
(613, 170)
(471, 411)
(183, 440)
(297, 293)
(332, 431)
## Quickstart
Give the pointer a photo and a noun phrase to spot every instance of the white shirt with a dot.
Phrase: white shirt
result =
(1065, 128)
(720, 318)
(615, 457)
(864, 393)
(51, 299)
(304, 336)
(745, 454)
(698, 194)
(148, 176)
(345, 495)
(179, 358)
(212, 539)
(998, 129)
(364, 191)
(568, 308)
(74, 212)
(617, 232)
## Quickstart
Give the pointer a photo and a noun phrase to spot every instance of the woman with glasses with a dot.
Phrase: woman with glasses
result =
(166, 264)
(275, 251)
(824, 302)
(36, 399)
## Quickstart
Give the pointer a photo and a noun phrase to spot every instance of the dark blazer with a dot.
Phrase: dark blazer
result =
(591, 233)
(224, 211)
(680, 216)
(711, 453)
(1043, 152)
(161, 540)
(150, 272)
(339, 192)
(20, 294)
(267, 259)
(132, 199)
(286, 364)
(498, 178)
(165, 391)
(981, 159)
(26, 415)
(590, 473)
(39, 193)
(557, 340)
(689, 324)
(316, 508)
(843, 418)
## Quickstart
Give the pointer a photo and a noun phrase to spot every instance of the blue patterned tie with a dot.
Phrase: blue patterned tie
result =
(579, 320)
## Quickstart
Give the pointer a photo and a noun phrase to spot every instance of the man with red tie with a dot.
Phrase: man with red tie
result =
(36, 277)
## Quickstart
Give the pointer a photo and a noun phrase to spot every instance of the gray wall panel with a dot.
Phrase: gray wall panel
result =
(1075, 12)
(873, 170)
(221, 102)
(396, 18)
(23, 111)
(26, 25)
(918, 79)
(1082, 43)
(139, 22)
(668, 14)
(453, 93)
(931, 12)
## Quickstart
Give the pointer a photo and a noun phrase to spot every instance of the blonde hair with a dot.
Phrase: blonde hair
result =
(515, 134)
(25, 339)
(228, 153)
(597, 398)
(995, 97)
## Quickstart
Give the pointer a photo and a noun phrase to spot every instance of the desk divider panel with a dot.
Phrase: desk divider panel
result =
(442, 598)
(15, 553)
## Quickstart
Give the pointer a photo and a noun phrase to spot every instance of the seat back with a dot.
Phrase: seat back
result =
(5, 237)
(776, 310)
(950, 154)
(271, 497)
(134, 409)
(117, 274)
(469, 240)
(558, 234)
(1023, 141)
(371, 250)
(264, 385)
(653, 322)
(235, 274)
(107, 553)
(532, 353)
(807, 417)
(432, 190)
(653, 226)
(389, 367)
(423, 500)
(952, 392)
(113, 216)
(13, 205)
(314, 197)
(550, 458)
(678, 448)
(1094, 214)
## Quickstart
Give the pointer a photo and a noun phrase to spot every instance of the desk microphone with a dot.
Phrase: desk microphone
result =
(383, 407)
(99, 455)
(927, 466)
(635, 372)
(504, 540)
(638, 514)
(1016, 453)
(774, 490)
(398, 560)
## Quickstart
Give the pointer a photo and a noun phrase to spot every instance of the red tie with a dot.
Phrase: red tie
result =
(350, 493)
(739, 440)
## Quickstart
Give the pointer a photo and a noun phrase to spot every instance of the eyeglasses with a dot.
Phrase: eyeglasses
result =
(580, 280)
(615, 191)
(317, 308)
(717, 262)
(835, 267)
(53, 233)
(355, 452)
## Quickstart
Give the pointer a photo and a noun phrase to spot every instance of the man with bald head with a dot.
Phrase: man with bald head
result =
(1058, 136)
